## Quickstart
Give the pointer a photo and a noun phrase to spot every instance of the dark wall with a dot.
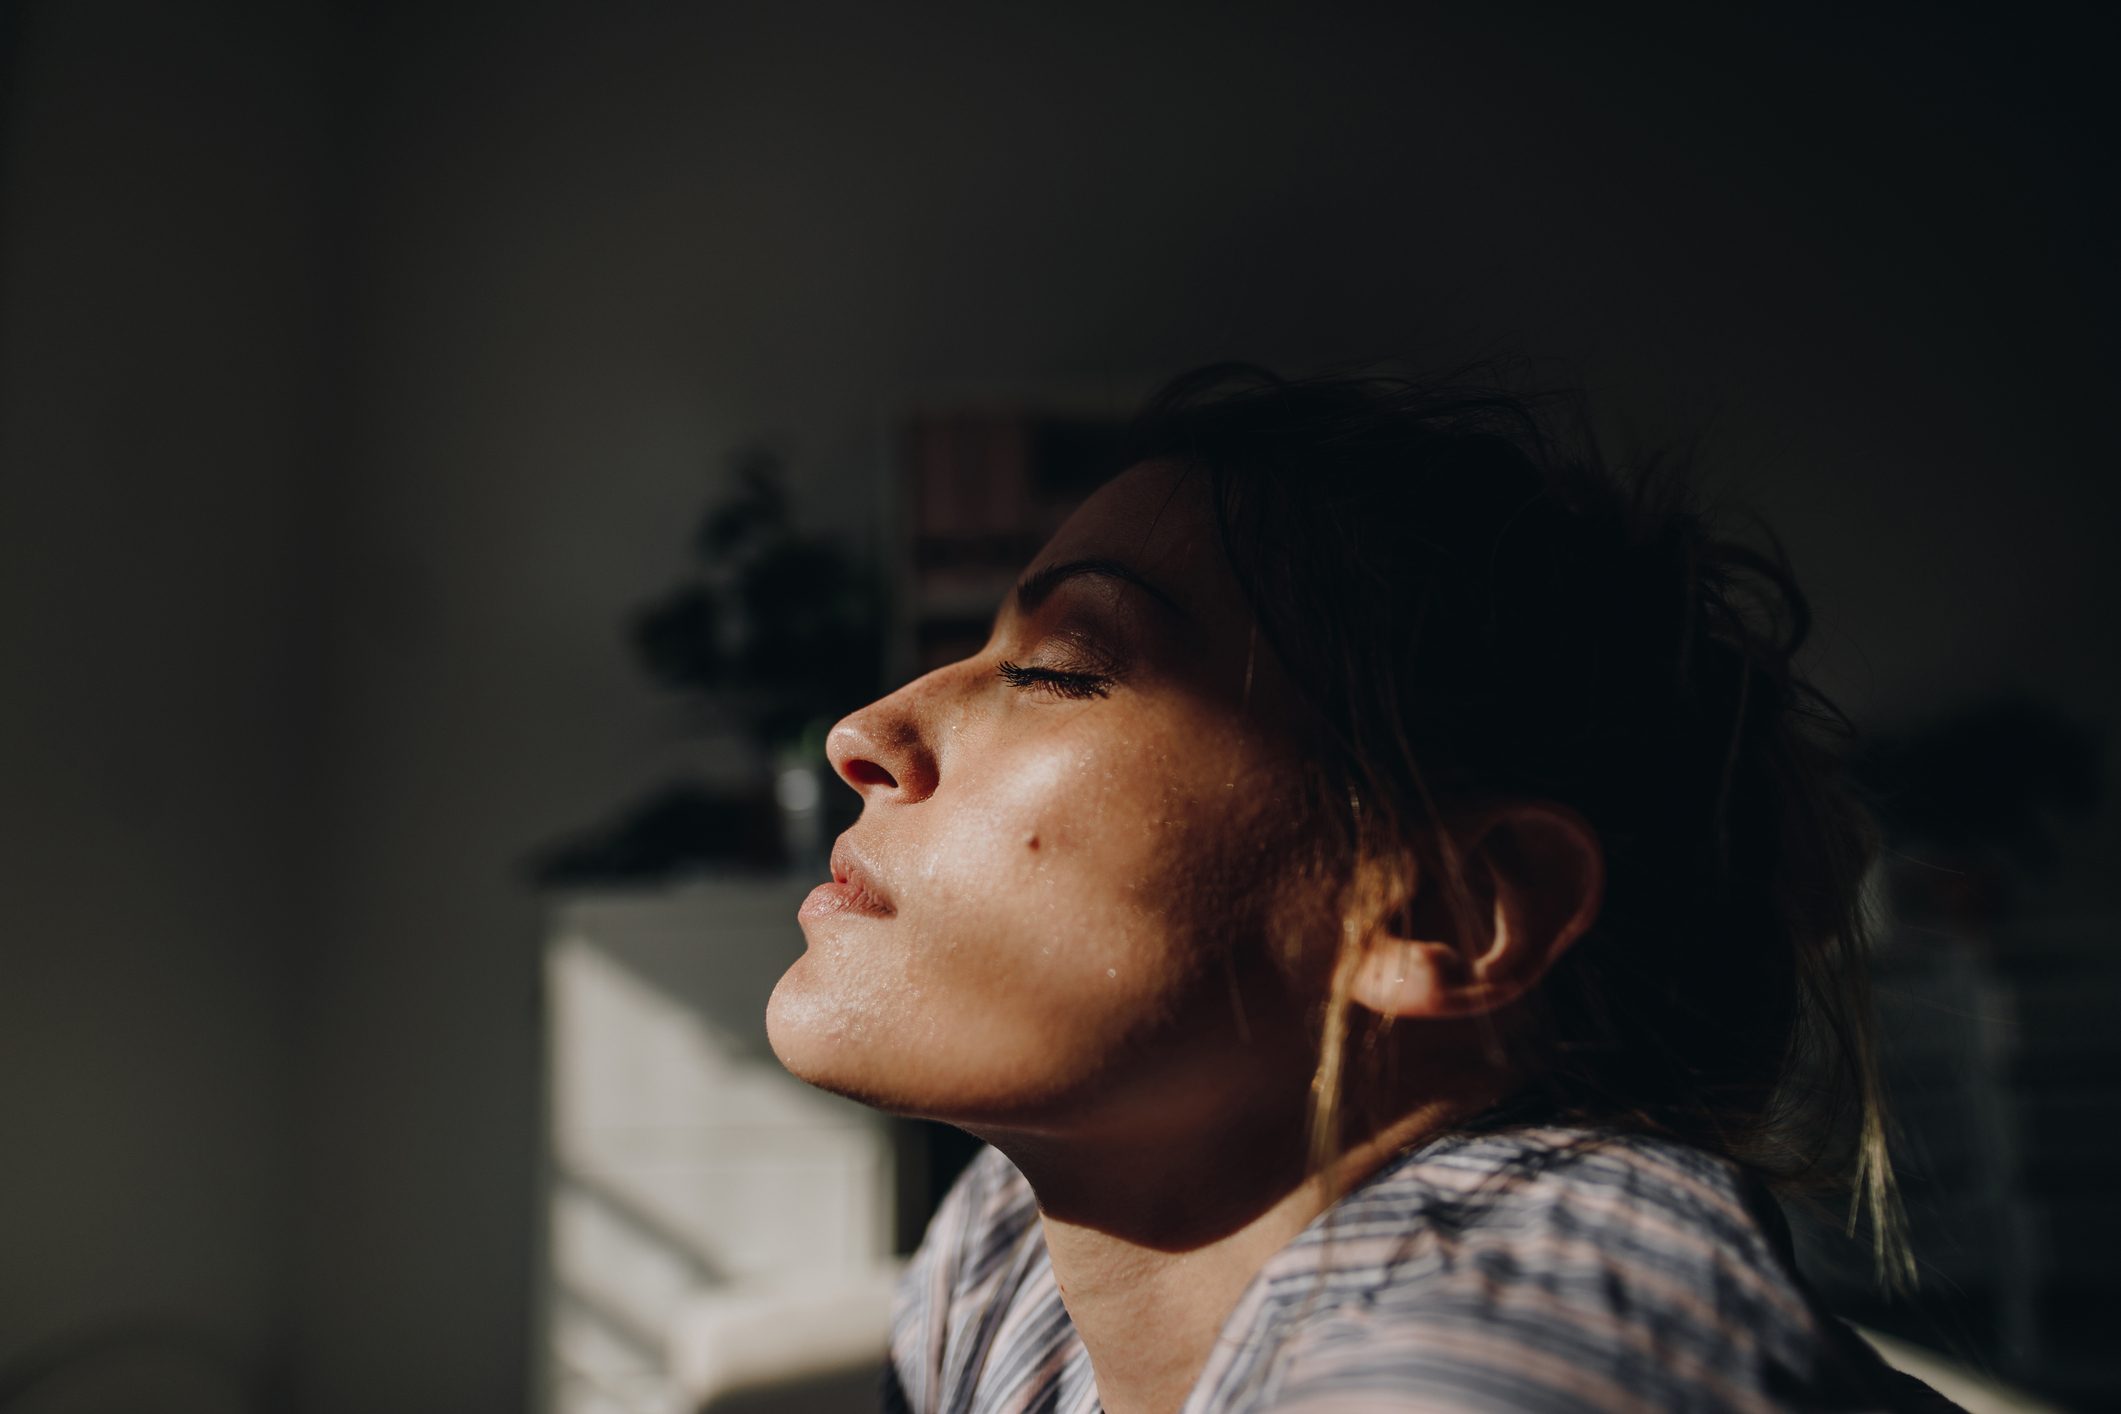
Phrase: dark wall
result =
(1858, 253)
(576, 255)
(161, 299)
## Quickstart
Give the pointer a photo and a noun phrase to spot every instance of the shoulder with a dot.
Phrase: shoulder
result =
(1678, 1230)
(1555, 1269)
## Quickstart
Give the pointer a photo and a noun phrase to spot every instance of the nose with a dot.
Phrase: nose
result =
(883, 751)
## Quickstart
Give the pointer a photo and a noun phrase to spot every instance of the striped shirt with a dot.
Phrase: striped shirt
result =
(1527, 1268)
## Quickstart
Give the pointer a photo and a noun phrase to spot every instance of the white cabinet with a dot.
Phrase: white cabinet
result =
(682, 1161)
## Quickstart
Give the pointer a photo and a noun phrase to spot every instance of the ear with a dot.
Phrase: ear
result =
(1536, 875)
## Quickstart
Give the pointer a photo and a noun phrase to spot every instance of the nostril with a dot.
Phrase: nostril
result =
(861, 773)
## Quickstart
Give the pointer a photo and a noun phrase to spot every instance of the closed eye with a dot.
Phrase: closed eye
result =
(1059, 682)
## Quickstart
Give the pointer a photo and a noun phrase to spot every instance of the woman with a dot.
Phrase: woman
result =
(1378, 894)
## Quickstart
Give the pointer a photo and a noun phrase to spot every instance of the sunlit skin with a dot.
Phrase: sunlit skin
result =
(1099, 951)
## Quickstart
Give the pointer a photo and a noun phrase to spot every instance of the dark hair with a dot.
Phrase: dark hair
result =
(1472, 606)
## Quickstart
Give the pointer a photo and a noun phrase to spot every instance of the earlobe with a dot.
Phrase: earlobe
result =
(1404, 977)
(1535, 876)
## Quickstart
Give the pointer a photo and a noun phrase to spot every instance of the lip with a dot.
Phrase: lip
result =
(852, 889)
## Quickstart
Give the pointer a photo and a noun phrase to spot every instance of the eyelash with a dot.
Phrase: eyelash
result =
(1054, 680)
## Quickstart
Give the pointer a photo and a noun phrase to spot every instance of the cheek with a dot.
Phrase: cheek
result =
(1095, 889)
(1005, 832)
(1043, 893)
(1058, 909)
(1031, 940)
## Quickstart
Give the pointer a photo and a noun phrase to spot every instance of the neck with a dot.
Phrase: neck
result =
(1153, 1243)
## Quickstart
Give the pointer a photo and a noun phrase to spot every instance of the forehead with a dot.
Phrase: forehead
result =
(1156, 518)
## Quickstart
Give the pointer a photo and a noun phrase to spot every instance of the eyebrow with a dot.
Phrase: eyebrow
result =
(1033, 590)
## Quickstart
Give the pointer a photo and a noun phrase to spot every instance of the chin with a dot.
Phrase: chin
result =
(833, 1048)
(800, 1030)
(875, 1063)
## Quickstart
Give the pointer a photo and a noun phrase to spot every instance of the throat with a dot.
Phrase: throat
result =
(1154, 1243)
(1154, 1248)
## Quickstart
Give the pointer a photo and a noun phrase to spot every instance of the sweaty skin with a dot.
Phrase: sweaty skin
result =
(1084, 875)
(1101, 953)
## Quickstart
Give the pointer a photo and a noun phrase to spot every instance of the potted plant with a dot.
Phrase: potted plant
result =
(775, 632)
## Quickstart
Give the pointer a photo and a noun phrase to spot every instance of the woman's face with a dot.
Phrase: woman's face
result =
(1054, 914)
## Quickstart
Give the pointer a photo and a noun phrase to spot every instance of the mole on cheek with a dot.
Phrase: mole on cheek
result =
(1030, 841)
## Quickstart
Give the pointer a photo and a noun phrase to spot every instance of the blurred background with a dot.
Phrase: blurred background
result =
(429, 431)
